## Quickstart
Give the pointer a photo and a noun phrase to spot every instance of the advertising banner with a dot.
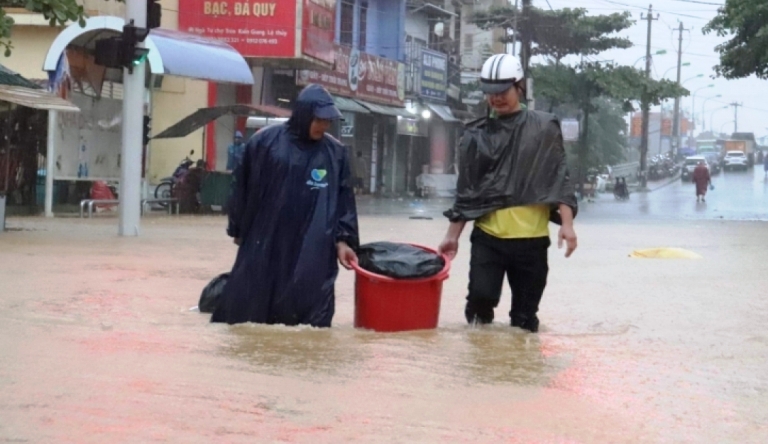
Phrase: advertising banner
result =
(434, 75)
(255, 29)
(361, 76)
(319, 28)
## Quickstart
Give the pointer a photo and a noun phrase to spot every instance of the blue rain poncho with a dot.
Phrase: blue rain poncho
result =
(291, 203)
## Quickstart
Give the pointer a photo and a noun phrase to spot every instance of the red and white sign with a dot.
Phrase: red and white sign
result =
(362, 76)
(319, 28)
(255, 29)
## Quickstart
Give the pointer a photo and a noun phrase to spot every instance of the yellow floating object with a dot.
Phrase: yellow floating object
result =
(664, 253)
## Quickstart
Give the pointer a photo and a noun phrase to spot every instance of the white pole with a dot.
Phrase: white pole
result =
(133, 109)
(50, 162)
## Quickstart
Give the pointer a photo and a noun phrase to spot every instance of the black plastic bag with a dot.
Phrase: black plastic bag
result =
(399, 261)
(212, 293)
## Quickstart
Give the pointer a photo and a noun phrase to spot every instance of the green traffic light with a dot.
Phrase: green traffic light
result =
(142, 57)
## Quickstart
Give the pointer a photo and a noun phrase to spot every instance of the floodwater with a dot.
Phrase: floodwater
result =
(98, 344)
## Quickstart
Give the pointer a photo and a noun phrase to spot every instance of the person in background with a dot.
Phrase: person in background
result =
(513, 179)
(361, 168)
(235, 151)
(765, 164)
(702, 180)
(292, 213)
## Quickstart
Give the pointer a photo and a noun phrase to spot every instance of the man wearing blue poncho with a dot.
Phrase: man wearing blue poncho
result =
(292, 213)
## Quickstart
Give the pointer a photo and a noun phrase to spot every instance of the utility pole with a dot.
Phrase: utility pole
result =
(514, 31)
(646, 105)
(736, 106)
(676, 117)
(133, 112)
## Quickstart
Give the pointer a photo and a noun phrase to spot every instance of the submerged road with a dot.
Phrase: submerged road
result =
(98, 343)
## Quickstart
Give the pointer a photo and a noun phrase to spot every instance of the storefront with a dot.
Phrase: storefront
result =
(369, 90)
(412, 153)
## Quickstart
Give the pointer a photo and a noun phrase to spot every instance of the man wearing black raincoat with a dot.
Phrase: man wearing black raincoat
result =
(513, 181)
(292, 213)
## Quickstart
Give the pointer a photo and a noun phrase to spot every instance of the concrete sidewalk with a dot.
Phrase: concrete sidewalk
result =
(98, 344)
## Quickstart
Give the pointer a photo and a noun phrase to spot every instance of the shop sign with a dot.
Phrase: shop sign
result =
(319, 28)
(255, 29)
(360, 76)
(434, 75)
(570, 129)
(348, 124)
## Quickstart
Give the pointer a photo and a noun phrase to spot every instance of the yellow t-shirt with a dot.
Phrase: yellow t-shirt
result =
(517, 222)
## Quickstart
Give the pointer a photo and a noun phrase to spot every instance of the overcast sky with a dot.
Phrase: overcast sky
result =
(698, 50)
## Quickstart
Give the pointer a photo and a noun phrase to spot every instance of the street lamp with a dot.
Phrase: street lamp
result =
(698, 76)
(693, 101)
(711, 116)
(675, 67)
(659, 52)
(703, 117)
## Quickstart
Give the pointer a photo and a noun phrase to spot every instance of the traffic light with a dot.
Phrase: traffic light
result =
(122, 51)
(108, 52)
(146, 129)
(131, 55)
(154, 14)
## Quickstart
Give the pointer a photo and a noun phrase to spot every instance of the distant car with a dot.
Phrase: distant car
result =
(689, 165)
(735, 160)
(714, 162)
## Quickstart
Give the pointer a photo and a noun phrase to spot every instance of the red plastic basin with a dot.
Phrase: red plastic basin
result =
(388, 305)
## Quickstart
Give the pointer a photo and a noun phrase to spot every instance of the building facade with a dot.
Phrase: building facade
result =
(393, 66)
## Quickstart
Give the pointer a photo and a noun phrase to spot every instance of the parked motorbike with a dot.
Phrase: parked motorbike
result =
(166, 188)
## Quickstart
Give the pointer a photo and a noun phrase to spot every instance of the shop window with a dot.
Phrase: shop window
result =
(363, 25)
(347, 22)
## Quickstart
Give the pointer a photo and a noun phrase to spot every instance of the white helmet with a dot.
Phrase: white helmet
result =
(500, 72)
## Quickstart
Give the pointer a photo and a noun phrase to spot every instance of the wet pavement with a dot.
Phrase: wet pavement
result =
(98, 343)
(737, 195)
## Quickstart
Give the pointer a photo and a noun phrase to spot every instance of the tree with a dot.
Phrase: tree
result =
(57, 12)
(559, 33)
(746, 53)
(583, 84)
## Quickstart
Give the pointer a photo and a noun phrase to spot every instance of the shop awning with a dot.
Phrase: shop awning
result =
(36, 98)
(443, 111)
(12, 78)
(349, 105)
(189, 55)
(204, 116)
(170, 52)
(386, 110)
(464, 116)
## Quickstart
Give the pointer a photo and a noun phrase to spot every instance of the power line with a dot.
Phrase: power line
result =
(699, 2)
(659, 10)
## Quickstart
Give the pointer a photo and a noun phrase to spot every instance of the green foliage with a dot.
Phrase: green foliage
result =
(746, 53)
(57, 12)
(582, 83)
(559, 33)
(606, 141)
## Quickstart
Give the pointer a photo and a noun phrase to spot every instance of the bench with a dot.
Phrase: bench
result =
(89, 203)
(171, 201)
